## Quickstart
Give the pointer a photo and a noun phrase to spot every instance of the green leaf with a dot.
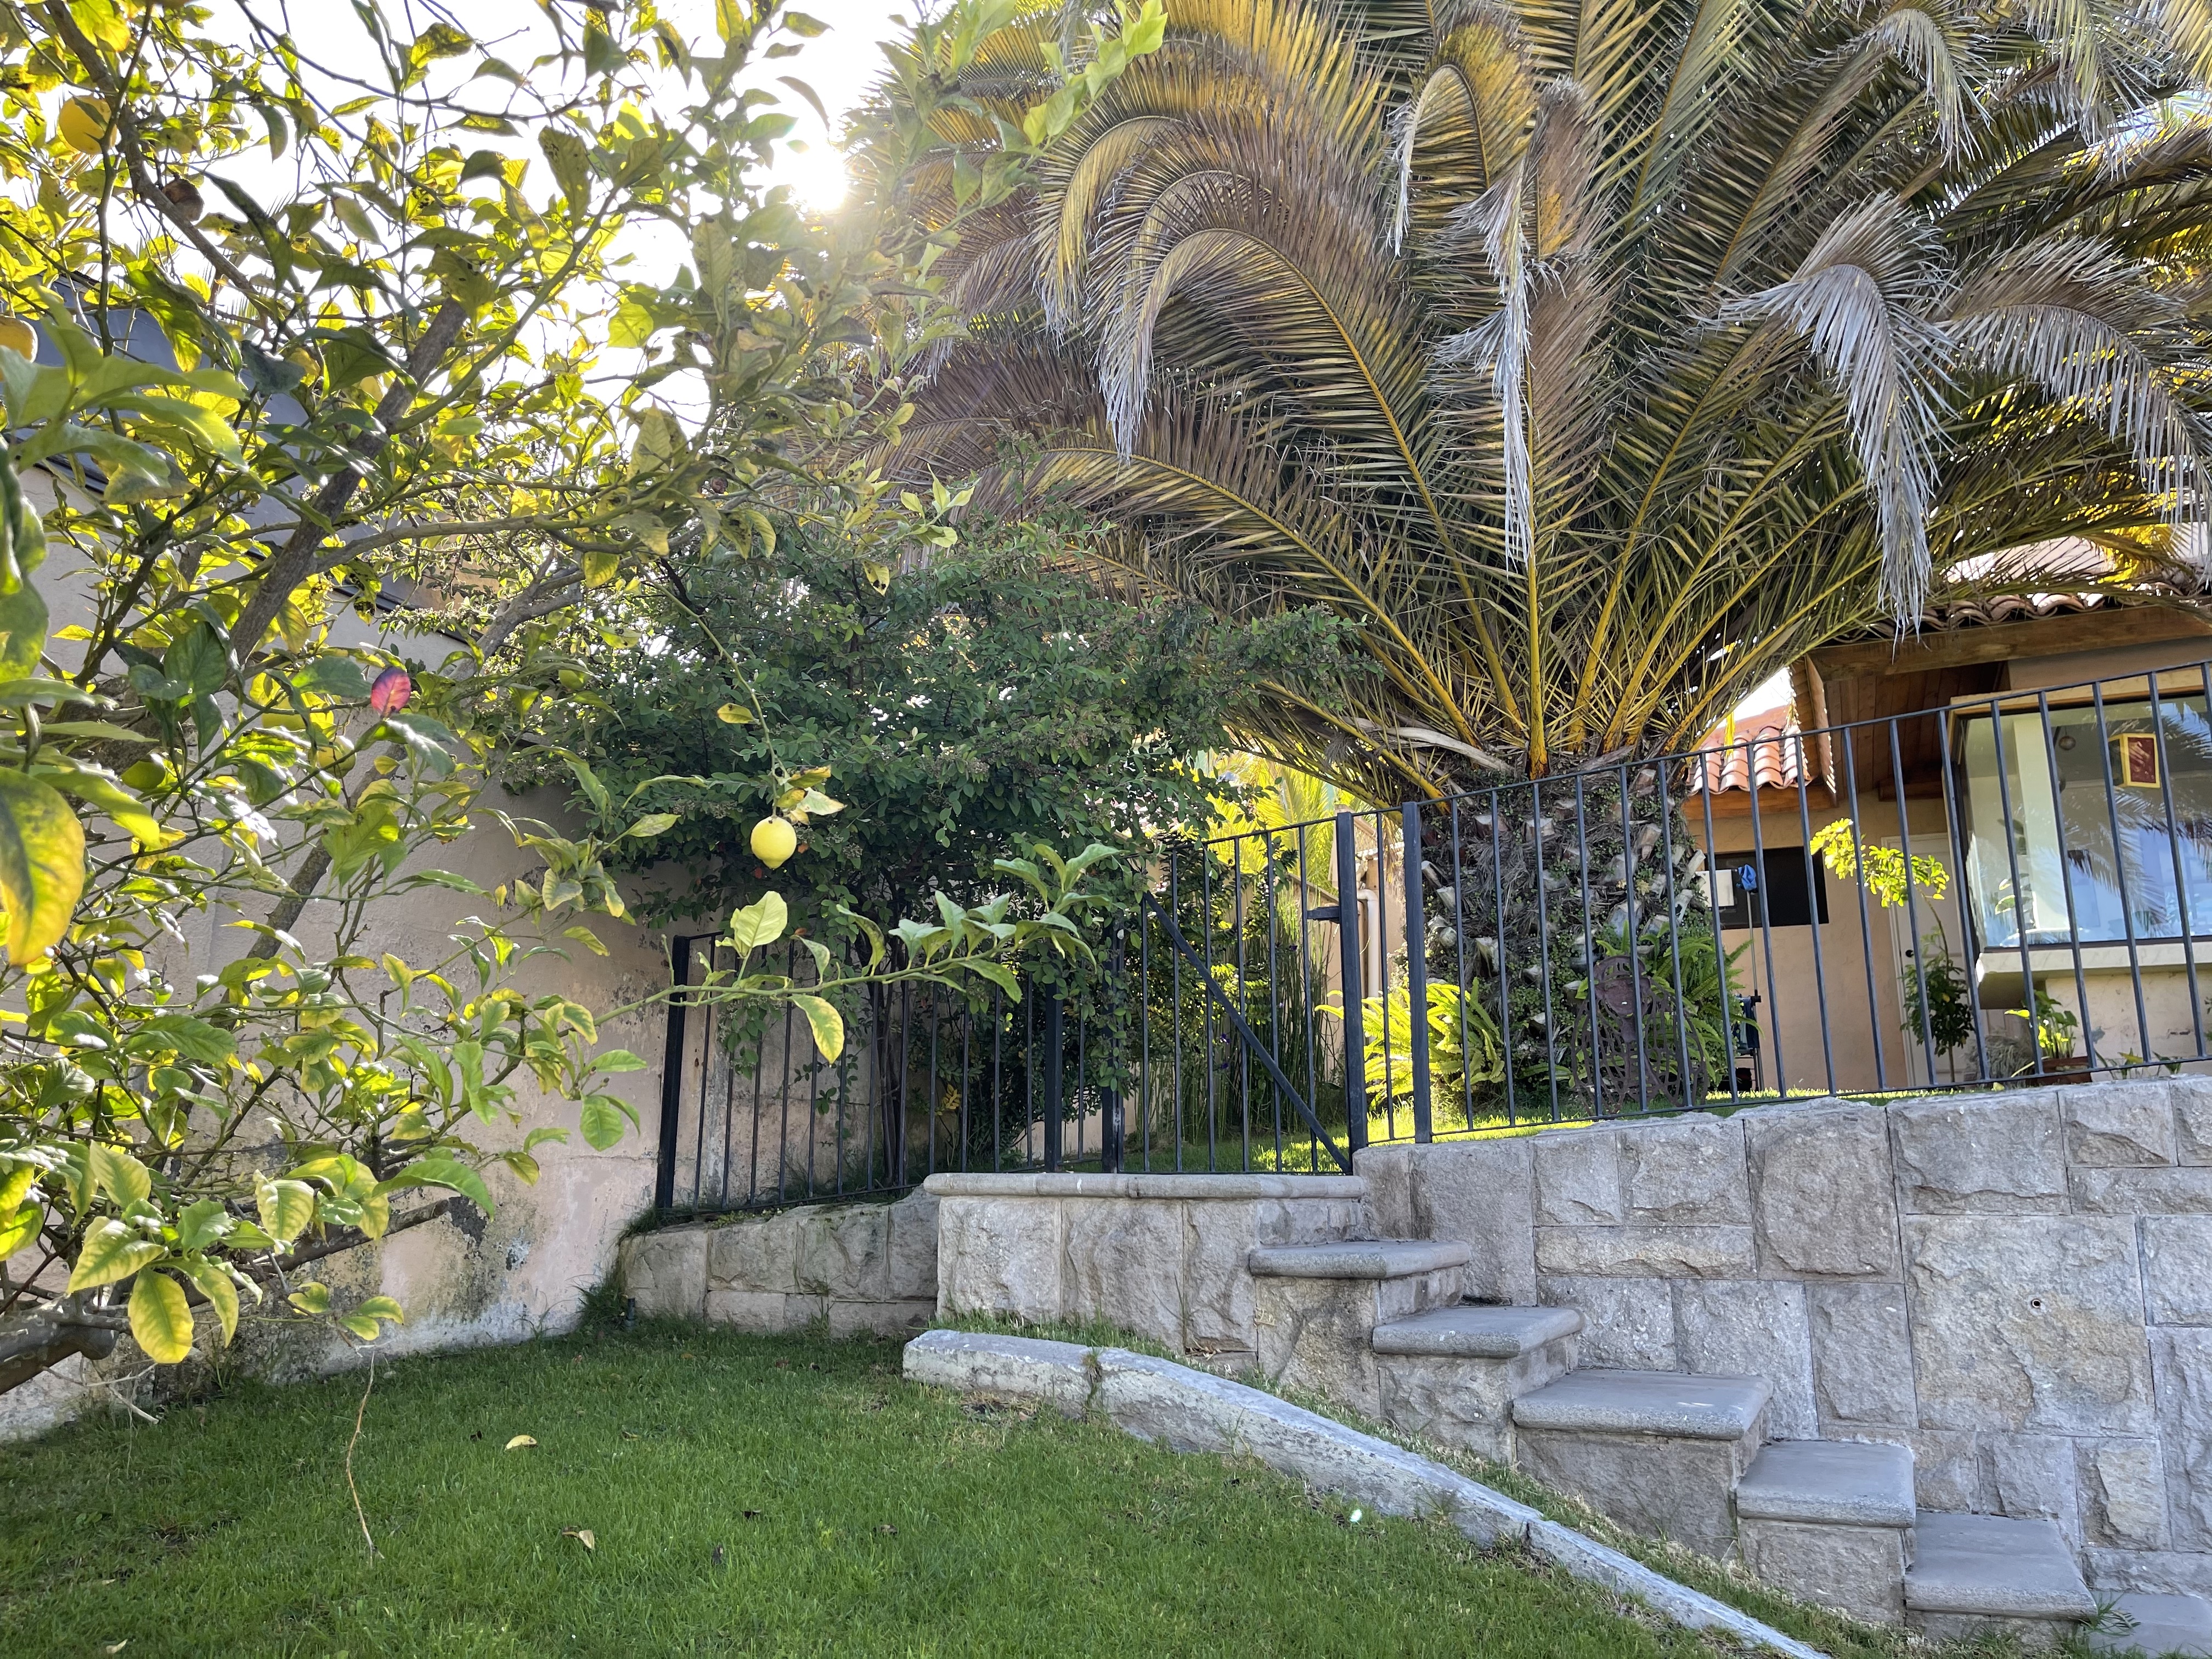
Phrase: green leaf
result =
(829, 1027)
(119, 1175)
(602, 1122)
(361, 1326)
(20, 1230)
(22, 631)
(998, 974)
(286, 1207)
(201, 1224)
(221, 1291)
(759, 923)
(383, 1307)
(651, 824)
(566, 154)
(600, 568)
(195, 1039)
(112, 1251)
(440, 1169)
(41, 865)
(617, 1059)
(160, 1318)
(313, 1297)
(337, 677)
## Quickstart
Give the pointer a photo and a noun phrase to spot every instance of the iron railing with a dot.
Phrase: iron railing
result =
(2004, 889)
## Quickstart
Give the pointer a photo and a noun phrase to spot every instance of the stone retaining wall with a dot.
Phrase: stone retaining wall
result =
(857, 1266)
(2017, 1285)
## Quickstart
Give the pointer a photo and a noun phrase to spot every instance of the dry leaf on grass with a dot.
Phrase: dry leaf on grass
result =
(582, 1535)
(521, 1440)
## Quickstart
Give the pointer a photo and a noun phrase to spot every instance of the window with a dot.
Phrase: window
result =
(1774, 894)
(2069, 827)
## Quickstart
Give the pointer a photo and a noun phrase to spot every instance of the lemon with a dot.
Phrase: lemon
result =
(774, 840)
(84, 126)
(19, 336)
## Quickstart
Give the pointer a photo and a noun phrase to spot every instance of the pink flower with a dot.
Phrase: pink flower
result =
(390, 693)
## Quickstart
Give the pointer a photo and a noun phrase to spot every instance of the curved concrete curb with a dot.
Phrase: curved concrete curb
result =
(1191, 1410)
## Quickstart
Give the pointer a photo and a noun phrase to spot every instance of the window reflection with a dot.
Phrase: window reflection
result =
(2137, 848)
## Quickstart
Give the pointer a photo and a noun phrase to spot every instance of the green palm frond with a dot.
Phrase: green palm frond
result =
(1596, 358)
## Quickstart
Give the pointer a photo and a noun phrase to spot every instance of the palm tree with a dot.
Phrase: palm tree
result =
(1596, 358)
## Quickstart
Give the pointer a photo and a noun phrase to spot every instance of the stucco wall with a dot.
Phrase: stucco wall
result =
(2018, 1286)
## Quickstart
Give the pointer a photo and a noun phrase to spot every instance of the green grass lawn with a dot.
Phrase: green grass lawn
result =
(745, 1494)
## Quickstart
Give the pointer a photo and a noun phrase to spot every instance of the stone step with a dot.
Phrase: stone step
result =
(2156, 1626)
(1672, 1404)
(1315, 1308)
(1470, 1331)
(1837, 1483)
(1359, 1258)
(1661, 1452)
(1452, 1373)
(1830, 1521)
(1975, 1573)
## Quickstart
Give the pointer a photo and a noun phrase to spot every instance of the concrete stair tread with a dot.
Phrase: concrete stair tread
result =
(1668, 1403)
(1995, 1567)
(1359, 1258)
(2161, 1625)
(1829, 1482)
(1473, 1332)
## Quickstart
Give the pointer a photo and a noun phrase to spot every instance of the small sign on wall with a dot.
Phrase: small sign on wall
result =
(2135, 759)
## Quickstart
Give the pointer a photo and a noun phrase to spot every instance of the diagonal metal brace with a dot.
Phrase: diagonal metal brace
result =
(1243, 1028)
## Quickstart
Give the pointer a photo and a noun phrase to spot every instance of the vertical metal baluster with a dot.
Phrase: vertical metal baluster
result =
(1866, 923)
(1635, 944)
(2180, 878)
(1382, 988)
(1705, 774)
(1589, 953)
(1174, 960)
(729, 1117)
(1243, 1003)
(1275, 988)
(1504, 965)
(1674, 944)
(1030, 1121)
(1813, 920)
(2120, 864)
(1082, 1069)
(670, 1129)
(1306, 995)
(1543, 941)
(929, 1111)
(1145, 1036)
(1355, 1036)
(963, 1123)
(1417, 971)
(2019, 896)
(708, 1039)
(999, 1078)
(783, 1112)
(1459, 967)
(1956, 842)
(1766, 888)
(1911, 904)
(813, 1109)
(1206, 960)
(2066, 883)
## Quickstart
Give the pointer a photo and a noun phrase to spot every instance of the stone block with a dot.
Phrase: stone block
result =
(2176, 1259)
(1980, 1154)
(1668, 1487)
(2193, 1119)
(1004, 1367)
(1628, 1324)
(1389, 1171)
(1825, 1199)
(1217, 1287)
(755, 1254)
(1752, 1328)
(2122, 1486)
(1686, 1170)
(1949, 1474)
(1000, 1255)
(2118, 1124)
(2033, 1477)
(911, 1272)
(900, 1318)
(1858, 1571)
(1578, 1178)
(763, 1313)
(1862, 1355)
(1646, 1251)
(2183, 1360)
(1313, 1334)
(2159, 1572)
(1125, 1264)
(666, 1272)
(1463, 1402)
(844, 1251)
(2185, 1191)
(2028, 1322)
(1483, 1194)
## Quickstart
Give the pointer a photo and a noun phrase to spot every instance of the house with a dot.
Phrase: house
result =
(2055, 761)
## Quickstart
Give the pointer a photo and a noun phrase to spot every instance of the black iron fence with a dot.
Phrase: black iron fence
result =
(2004, 889)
